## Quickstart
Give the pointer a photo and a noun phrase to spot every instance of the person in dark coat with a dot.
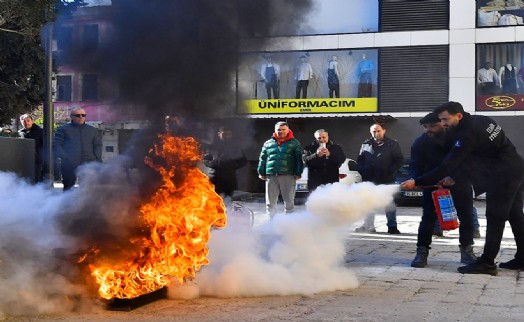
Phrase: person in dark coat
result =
(76, 143)
(34, 132)
(379, 160)
(428, 150)
(223, 158)
(483, 152)
(323, 159)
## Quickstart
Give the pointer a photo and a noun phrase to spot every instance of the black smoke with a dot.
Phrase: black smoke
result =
(179, 57)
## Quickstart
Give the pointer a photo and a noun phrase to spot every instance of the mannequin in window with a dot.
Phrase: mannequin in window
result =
(332, 77)
(487, 79)
(364, 74)
(270, 73)
(303, 74)
(508, 79)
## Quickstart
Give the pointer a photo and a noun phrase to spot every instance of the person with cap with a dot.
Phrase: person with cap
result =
(482, 150)
(427, 152)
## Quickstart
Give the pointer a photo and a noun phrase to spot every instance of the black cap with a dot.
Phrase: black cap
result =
(430, 118)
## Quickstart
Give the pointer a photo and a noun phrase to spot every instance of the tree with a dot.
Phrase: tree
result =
(22, 56)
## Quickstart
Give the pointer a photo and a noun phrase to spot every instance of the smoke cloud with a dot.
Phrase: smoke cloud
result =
(301, 253)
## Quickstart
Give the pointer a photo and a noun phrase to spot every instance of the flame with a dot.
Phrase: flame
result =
(175, 227)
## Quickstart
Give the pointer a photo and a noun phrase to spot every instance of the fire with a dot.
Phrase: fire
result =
(175, 227)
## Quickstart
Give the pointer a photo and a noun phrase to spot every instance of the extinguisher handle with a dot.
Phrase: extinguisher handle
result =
(430, 186)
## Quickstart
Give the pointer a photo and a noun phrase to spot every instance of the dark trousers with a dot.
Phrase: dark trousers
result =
(272, 86)
(504, 203)
(462, 199)
(334, 88)
(68, 174)
(487, 88)
(225, 186)
(39, 176)
(365, 86)
(302, 86)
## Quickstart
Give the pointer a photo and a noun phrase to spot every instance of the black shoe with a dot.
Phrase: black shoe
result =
(476, 234)
(438, 233)
(393, 230)
(512, 264)
(479, 267)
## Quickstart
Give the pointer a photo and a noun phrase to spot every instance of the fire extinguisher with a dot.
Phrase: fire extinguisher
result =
(446, 212)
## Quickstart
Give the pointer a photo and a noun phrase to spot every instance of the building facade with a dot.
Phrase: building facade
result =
(395, 60)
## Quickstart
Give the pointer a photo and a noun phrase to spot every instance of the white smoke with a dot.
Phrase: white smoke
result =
(301, 253)
(43, 232)
(29, 281)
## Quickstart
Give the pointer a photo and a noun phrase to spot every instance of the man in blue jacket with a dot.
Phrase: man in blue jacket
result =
(482, 150)
(76, 143)
(280, 165)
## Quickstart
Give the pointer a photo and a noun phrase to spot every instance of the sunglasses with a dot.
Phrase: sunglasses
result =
(79, 115)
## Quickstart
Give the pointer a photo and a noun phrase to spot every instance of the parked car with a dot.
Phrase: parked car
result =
(345, 174)
(407, 197)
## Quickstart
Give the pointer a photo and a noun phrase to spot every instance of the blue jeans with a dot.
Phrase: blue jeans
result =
(391, 216)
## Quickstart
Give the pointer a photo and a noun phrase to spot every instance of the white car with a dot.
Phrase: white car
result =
(346, 175)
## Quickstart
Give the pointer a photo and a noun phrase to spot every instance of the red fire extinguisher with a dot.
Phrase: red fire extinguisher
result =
(446, 212)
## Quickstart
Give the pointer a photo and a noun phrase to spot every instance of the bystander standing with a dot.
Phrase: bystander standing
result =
(223, 158)
(34, 132)
(76, 143)
(323, 159)
(379, 160)
(280, 165)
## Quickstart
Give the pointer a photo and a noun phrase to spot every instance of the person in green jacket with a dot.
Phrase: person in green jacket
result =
(280, 165)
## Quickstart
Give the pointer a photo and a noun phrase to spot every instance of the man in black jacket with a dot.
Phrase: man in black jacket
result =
(323, 159)
(379, 160)
(482, 150)
(427, 152)
(223, 158)
(34, 132)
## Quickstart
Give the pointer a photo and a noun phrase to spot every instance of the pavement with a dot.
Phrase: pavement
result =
(390, 289)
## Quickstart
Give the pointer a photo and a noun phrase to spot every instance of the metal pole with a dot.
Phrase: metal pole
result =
(48, 106)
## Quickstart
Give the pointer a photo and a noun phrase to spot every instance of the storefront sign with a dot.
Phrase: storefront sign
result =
(309, 106)
(500, 103)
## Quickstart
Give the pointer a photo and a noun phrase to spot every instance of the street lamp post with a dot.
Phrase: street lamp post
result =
(48, 105)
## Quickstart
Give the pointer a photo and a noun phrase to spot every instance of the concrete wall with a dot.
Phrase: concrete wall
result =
(18, 157)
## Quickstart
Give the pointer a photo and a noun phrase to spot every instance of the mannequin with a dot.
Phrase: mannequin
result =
(508, 79)
(270, 73)
(332, 77)
(364, 74)
(303, 74)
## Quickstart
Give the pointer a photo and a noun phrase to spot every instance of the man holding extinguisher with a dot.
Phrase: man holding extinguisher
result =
(482, 151)
(428, 150)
